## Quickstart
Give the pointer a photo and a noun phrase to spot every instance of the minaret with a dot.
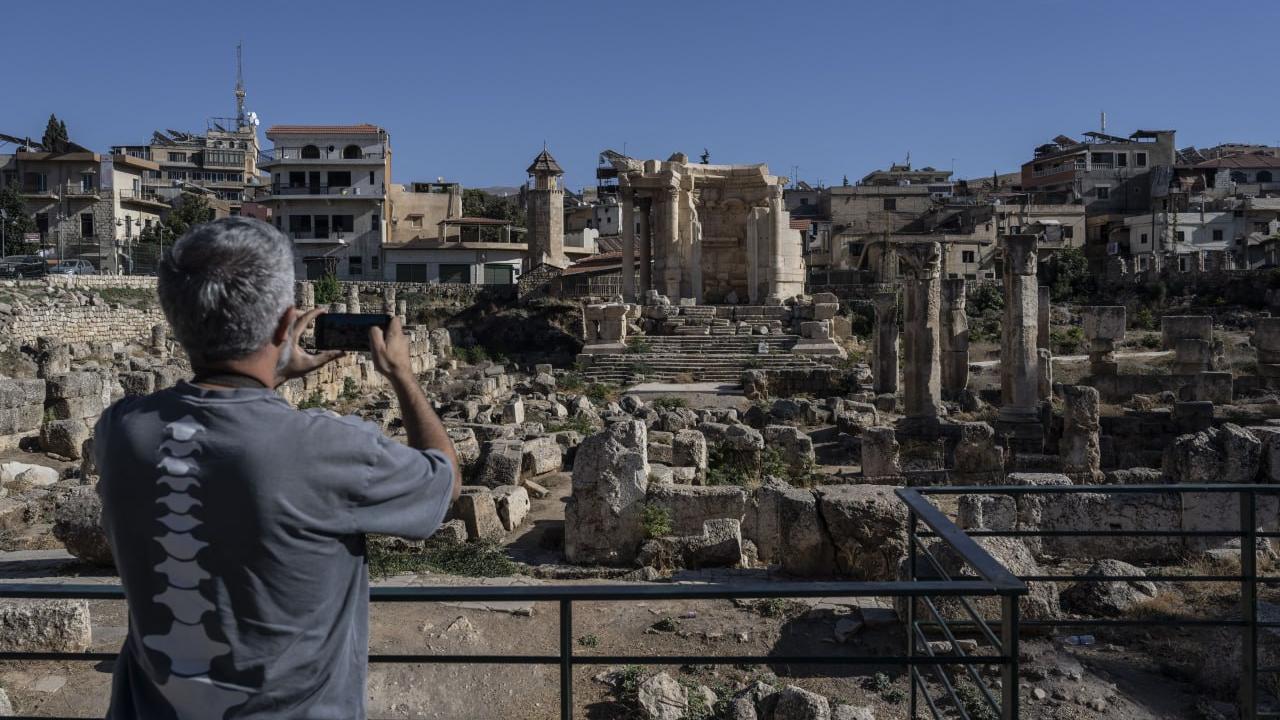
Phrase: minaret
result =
(241, 120)
(546, 213)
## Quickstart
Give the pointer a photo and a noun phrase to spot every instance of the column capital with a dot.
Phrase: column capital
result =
(921, 261)
(1020, 254)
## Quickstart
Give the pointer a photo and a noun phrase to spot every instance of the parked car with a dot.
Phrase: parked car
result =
(73, 267)
(23, 266)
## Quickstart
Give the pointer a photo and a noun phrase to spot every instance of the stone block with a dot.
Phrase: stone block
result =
(541, 455)
(689, 449)
(77, 524)
(793, 445)
(512, 504)
(1103, 322)
(610, 480)
(880, 453)
(64, 437)
(44, 626)
(815, 330)
(787, 529)
(867, 525)
(689, 506)
(503, 463)
(1178, 327)
(513, 412)
(476, 508)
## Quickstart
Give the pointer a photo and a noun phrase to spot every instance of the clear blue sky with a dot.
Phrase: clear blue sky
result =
(469, 90)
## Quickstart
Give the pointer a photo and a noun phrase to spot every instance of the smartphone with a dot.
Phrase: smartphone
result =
(347, 331)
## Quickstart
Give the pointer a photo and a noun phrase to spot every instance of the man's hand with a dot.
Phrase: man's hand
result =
(300, 361)
(391, 351)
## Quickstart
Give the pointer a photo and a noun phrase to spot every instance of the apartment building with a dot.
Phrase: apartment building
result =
(328, 192)
(1105, 173)
(222, 161)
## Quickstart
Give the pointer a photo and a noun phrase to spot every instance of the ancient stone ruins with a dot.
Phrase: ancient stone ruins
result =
(715, 424)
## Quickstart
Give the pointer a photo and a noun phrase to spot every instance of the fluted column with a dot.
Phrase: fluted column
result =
(885, 371)
(645, 241)
(627, 215)
(1019, 359)
(922, 306)
(955, 338)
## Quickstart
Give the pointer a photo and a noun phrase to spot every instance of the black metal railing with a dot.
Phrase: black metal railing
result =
(1185, 541)
(357, 190)
(989, 580)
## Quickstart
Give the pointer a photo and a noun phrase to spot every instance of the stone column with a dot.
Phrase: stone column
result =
(880, 454)
(781, 229)
(389, 301)
(627, 218)
(922, 349)
(1103, 328)
(1042, 325)
(646, 246)
(955, 338)
(306, 295)
(1079, 447)
(402, 311)
(1266, 338)
(885, 369)
(1191, 339)
(1019, 359)
(353, 298)
(673, 270)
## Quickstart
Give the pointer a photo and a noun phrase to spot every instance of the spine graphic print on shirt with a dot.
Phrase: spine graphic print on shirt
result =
(189, 687)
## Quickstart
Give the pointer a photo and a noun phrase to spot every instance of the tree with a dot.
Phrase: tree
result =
(16, 221)
(1070, 270)
(55, 133)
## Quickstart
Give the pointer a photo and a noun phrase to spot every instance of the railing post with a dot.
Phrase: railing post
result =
(1009, 671)
(1249, 605)
(566, 660)
(911, 611)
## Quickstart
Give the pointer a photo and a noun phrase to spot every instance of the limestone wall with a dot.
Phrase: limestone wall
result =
(86, 323)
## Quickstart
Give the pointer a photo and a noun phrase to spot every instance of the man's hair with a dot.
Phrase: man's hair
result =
(224, 286)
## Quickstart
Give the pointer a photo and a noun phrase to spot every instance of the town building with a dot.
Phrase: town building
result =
(1105, 173)
(328, 192)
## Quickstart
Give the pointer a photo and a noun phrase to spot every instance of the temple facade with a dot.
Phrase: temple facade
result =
(713, 233)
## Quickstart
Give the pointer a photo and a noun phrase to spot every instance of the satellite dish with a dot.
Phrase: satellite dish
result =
(253, 118)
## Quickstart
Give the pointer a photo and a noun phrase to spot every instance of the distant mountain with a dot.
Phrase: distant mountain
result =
(500, 190)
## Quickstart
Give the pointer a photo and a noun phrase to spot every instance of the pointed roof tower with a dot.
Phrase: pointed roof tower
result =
(544, 164)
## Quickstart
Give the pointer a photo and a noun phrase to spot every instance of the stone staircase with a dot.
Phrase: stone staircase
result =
(704, 358)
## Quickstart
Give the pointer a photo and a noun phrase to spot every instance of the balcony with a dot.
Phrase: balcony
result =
(68, 190)
(142, 197)
(310, 154)
(360, 193)
(1056, 169)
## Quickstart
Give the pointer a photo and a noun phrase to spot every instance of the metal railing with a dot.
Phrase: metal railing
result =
(990, 580)
(290, 152)
(1247, 533)
(363, 191)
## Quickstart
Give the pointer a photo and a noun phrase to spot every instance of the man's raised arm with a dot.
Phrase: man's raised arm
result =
(426, 432)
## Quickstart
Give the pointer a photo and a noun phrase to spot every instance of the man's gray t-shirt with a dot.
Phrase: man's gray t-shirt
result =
(237, 524)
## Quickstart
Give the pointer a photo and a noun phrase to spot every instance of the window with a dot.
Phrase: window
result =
(339, 178)
(86, 225)
(374, 262)
(415, 221)
(499, 274)
(1142, 263)
(375, 223)
(1122, 160)
(299, 224)
(355, 265)
(968, 257)
(411, 272)
(177, 157)
(297, 179)
(1068, 232)
(352, 152)
(855, 249)
(1142, 238)
(1239, 177)
(371, 177)
(86, 181)
(344, 223)
(890, 203)
(177, 174)
(1015, 229)
(1182, 236)
(1140, 159)
(1217, 234)
(455, 274)
(1182, 263)
(310, 152)
(1264, 176)
(1102, 192)
(804, 201)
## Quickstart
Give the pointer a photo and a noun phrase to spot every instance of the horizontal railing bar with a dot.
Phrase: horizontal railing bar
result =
(1075, 622)
(1133, 578)
(972, 553)
(1096, 533)
(1099, 489)
(583, 593)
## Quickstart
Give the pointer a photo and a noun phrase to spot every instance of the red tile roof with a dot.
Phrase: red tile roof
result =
(1251, 160)
(360, 129)
(800, 223)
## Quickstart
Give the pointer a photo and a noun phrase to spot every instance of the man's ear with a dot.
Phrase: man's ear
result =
(281, 335)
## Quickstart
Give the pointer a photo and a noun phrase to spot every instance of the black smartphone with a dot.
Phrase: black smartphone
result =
(347, 331)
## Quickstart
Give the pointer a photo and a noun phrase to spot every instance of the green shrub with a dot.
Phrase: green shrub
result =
(589, 641)
(1144, 319)
(1067, 340)
(473, 559)
(350, 391)
(328, 289)
(316, 400)
(749, 471)
(570, 381)
(601, 393)
(670, 403)
(984, 299)
(1151, 342)
(580, 425)
(656, 521)
(666, 624)
(637, 346)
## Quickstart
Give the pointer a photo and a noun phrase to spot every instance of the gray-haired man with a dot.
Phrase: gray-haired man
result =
(237, 522)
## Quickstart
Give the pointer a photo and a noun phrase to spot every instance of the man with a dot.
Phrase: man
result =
(237, 522)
